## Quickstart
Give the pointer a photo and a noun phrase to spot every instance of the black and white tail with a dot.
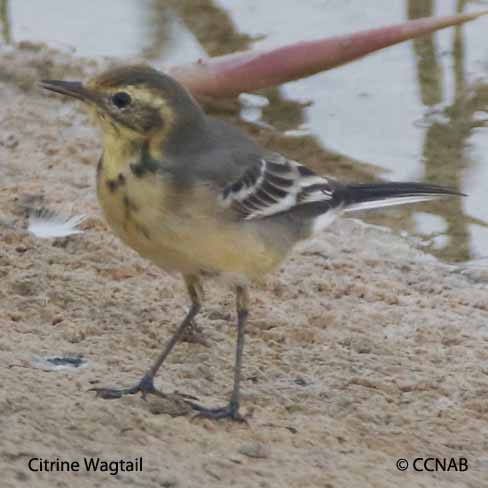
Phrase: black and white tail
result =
(277, 185)
(377, 195)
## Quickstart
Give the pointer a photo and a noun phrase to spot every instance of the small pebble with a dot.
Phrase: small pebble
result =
(9, 141)
(255, 450)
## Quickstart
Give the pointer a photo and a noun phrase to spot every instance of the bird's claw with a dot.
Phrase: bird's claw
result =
(144, 387)
(230, 411)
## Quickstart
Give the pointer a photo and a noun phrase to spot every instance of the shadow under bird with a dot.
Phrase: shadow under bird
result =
(197, 196)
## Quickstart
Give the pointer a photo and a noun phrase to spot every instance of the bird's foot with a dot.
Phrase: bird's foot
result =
(144, 387)
(230, 411)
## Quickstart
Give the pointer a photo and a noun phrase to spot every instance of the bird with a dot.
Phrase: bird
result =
(197, 196)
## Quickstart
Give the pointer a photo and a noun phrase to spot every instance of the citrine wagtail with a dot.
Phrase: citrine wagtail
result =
(197, 196)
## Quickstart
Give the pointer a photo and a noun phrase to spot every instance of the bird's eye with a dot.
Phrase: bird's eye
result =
(121, 99)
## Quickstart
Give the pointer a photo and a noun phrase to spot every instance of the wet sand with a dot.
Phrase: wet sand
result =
(360, 351)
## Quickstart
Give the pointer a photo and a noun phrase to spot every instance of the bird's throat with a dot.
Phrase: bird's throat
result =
(119, 153)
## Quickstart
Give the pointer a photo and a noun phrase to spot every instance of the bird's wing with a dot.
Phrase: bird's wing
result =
(274, 185)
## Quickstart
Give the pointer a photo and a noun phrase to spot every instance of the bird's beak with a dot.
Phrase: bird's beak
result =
(73, 89)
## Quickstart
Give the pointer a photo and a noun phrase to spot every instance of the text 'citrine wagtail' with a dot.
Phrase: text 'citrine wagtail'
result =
(197, 196)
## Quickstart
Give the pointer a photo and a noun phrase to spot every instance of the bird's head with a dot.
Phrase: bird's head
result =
(136, 102)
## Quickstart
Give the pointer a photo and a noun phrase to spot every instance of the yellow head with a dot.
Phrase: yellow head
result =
(135, 102)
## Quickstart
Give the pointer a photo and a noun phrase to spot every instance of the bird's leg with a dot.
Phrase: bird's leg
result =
(195, 335)
(146, 384)
(231, 410)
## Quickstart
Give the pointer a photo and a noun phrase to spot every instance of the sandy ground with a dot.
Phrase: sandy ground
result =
(360, 351)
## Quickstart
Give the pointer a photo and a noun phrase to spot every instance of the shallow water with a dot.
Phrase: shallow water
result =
(416, 109)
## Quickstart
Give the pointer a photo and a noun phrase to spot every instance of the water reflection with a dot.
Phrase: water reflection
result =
(446, 140)
(158, 21)
(168, 37)
(4, 21)
(211, 25)
(429, 71)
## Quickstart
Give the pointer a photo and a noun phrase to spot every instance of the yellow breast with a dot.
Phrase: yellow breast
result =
(134, 208)
(183, 231)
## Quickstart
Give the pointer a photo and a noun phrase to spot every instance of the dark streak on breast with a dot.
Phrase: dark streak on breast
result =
(143, 230)
(130, 207)
(113, 185)
(145, 164)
